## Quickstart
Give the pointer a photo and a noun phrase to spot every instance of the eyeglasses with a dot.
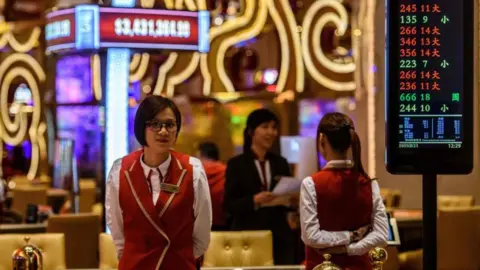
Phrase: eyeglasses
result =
(156, 126)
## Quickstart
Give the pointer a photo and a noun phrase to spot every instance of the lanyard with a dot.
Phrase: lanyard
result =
(263, 169)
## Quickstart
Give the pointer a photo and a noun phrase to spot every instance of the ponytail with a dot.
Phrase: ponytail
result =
(357, 155)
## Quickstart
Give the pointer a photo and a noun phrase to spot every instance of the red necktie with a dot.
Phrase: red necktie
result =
(149, 181)
(149, 178)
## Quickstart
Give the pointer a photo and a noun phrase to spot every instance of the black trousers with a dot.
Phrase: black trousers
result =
(283, 248)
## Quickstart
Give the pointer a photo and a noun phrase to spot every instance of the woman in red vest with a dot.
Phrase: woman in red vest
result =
(157, 200)
(341, 210)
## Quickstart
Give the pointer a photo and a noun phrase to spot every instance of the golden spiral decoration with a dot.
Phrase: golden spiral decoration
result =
(324, 70)
(180, 65)
(13, 132)
(139, 66)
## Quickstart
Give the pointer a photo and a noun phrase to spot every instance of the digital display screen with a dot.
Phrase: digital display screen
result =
(81, 124)
(73, 80)
(94, 27)
(427, 69)
(148, 27)
(60, 29)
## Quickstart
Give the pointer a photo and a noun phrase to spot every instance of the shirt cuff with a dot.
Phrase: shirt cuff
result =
(348, 237)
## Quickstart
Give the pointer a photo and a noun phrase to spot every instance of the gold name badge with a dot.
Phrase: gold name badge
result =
(169, 188)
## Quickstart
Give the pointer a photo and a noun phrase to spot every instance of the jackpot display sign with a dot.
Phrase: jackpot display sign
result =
(93, 27)
(429, 74)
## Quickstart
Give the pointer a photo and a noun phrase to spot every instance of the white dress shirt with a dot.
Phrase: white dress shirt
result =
(265, 172)
(314, 236)
(202, 205)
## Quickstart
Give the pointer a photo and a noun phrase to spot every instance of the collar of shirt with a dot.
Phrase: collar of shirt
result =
(339, 164)
(163, 167)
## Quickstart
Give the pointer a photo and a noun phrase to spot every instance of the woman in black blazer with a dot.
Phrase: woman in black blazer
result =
(249, 180)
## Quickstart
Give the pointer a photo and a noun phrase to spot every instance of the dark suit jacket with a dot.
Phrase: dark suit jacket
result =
(242, 182)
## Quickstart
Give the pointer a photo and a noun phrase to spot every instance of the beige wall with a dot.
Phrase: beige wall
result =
(410, 186)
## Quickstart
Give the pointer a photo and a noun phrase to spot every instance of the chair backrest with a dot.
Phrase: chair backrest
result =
(239, 248)
(81, 238)
(107, 251)
(97, 209)
(88, 194)
(458, 238)
(25, 194)
(455, 201)
(391, 198)
(52, 246)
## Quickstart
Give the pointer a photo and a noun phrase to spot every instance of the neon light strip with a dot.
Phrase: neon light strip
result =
(116, 104)
(123, 3)
(300, 83)
(148, 46)
(60, 12)
(150, 11)
(285, 50)
(203, 31)
(116, 101)
(60, 47)
(87, 39)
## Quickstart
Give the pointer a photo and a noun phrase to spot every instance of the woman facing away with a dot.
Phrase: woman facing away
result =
(341, 210)
(157, 200)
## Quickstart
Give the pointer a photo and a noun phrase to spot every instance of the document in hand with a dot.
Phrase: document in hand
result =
(286, 186)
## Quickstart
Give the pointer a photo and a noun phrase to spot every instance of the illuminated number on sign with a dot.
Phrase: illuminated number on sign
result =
(408, 97)
(408, 75)
(160, 28)
(151, 28)
(425, 97)
(408, 8)
(426, 41)
(408, 41)
(127, 27)
(408, 30)
(408, 52)
(426, 31)
(144, 24)
(454, 145)
(410, 19)
(118, 27)
(406, 86)
(408, 63)
(137, 27)
(425, 108)
(408, 108)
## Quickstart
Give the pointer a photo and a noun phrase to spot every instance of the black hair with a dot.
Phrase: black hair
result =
(337, 130)
(209, 150)
(147, 110)
(340, 133)
(255, 119)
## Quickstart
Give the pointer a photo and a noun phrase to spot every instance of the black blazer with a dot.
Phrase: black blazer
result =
(242, 182)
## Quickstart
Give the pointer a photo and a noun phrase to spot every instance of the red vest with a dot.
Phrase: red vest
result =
(157, 236)
(344, 203)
